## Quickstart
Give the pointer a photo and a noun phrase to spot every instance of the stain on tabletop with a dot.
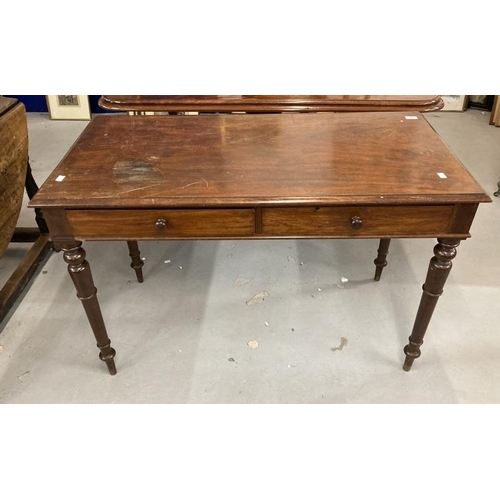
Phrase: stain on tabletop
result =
(136, 172)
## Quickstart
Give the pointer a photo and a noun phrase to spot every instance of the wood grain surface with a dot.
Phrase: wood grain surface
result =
(161, 224)
(271, 103)
(371, 221)
(6, 103)
(13, 164)
(258, 160)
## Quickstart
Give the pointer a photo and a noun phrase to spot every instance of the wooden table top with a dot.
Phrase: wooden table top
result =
(123, 161)
(267, 103)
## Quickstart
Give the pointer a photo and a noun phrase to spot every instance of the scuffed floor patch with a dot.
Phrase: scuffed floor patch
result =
(343, 343)
(259, 297)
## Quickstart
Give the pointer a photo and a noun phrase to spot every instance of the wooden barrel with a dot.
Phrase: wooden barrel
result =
(13, 163)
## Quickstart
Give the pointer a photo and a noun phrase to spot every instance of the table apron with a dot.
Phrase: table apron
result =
(357, 221)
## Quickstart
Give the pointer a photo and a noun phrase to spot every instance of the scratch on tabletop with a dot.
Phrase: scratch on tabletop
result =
(197, 182)
(138, 189)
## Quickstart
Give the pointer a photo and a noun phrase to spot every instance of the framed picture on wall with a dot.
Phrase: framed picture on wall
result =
(68, 107)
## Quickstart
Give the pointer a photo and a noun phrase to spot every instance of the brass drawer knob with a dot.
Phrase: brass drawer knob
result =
(356, 222)
(161, 224)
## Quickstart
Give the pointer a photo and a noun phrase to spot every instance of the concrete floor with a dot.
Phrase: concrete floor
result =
(182, 335)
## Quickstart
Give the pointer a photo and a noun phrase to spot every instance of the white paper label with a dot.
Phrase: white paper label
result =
(411, 117)
(442, 176)
(60, 178)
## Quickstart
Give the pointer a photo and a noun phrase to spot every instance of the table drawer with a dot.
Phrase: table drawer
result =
(357, 221)
(161, 224)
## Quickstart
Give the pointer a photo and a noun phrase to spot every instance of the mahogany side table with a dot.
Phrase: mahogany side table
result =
(259, 176)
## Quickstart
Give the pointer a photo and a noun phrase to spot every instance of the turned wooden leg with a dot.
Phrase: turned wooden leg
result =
(439, 269)
(79, 270)
(381, 260)
(137, 263)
